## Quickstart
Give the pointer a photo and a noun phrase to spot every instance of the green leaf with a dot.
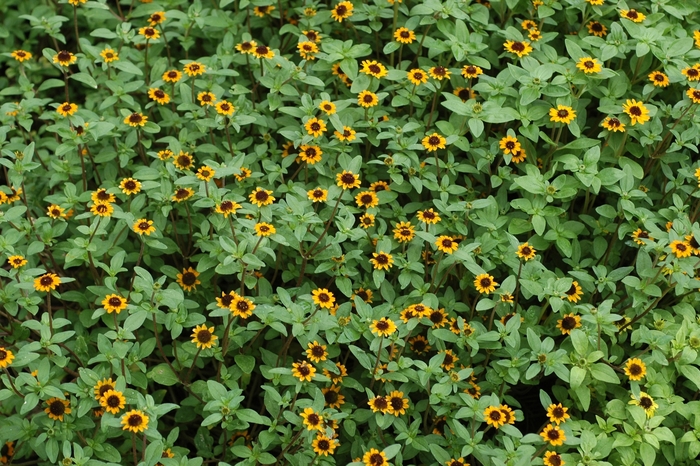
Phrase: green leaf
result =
(163, 375)
(85, 79)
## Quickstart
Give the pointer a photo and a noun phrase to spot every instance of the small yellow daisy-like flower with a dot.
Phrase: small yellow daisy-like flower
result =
(156, 18)
(242, 307)
(317, 195)
(494, 417)
(381, 260)
(519, 156)
(646, 402)
(64, 58)
(194, 69)
(341, 11)
(47, 282)
(366, 221)
(316, 352)
(77, 2)
(692, 73)
(446, 244)
(150, 33)
(188, 280)
(348, 134)
(130, 186)
(327, 107)
(597, 29)
(367, 199)
(315, 127)
(509, 145)
(347, 180)
(205, 173)
(613, 124)
(520, 48)
(54, 211)
(485, 283)
(56, 408)
(557, 413)
(562, 114)
(262, 51)
(17, 261)
(6, 357)
(397, 404)
(525, 252)
(635, 369)
(589, 65)
(568, 323)
(102, 210)
(641, 236)
(261, 197)
(246, 47)
(323, 298)
(264, 229)
(225, 108)
(637, 112)
(171, 76)
(159, 95)
(114, 303)
(464, 93)
(404, 232)
(534, 34)
(681, 248)
(21, 55)
(552, 458)
(404, 35)
(262, 11)
(312, 35)
(203, 337)
(312, 420)
(574, 293)
(553, 435)
(109, 55)
(136, 120)
(373, 68)
(227, 208)
(183, 161)
(67, 109)
(439, 73)
(417, 76)
(528, 24)
(310, 154)
(303, 371)
(375, 457)
(633, 15)
(383, 327)
(428, 216)
(659, 79)
(596, 2)
(143, 226)
(450, 360)
(113, 401)
(379, 404)
(471, 71)
(102, 387)
(206, 98)
(367, 99)
(694, 95)
(433, 142)
(135, 421)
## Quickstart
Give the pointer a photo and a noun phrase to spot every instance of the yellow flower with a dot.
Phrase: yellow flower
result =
(21, 55)
(262, 51)
(562, 114)
(149, 33)
(156, 18)
(637, 112)
(144, 227)
(67, 109)
(323, 298)
(471, 71)
(341, 11)
(450, 360)
(203, 337)
(485, 283)
(312, 35)
(225, 108)
(526, 252)
(439, 73)
(114, 303)
(428, 216)
(182, 194)
(520, 48)
(645, 402)
(509, 145)
(464, 93)
(227, 208)
(206, 98)
(317, 195)
(367, 199)
(397, 404)
(242, 307)
(404, 35)
(194, 69)
(312, 420)
(379, 404)
(303, 371)
(64, 58)
(574, 293)
(433, 142)
(375, 457)
(635, 369)
(109, 55)
(596, 2)
(102, 210)
(681, 248)
(188, 279)
(261, 197)
(366, 221)
(247, 47)
(373, 68)
(47, 282)
(55, 211)
(159, 96)
(347, 180)
(692, 73)
(6, 357)
(613, 124)
(327, 107)
(17, 261)
(136, 120)
(446, 244)
(264, 229)
(552, 458)
(316, 352)
(694, 95)
(56, 408)
(528, 24)
(130, 186)
(534, 34)
(367, 99)
(589, 65)
(315, 127)
(494, 417)
(557, 413)
(171, 76)
(102, 387)
(113, 401)
(383, 327)
(135, 421)
(568, 323)
(262, 11)
(696, 36)
(633, 15)
(77, 2)
(205, 173)
(641, 236)
(658, 79)
(597, 29)
(553, 435)
(417, 76)
(348, 134)
(404, 232)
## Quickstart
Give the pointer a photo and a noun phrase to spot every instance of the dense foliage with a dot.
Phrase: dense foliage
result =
(372, 232)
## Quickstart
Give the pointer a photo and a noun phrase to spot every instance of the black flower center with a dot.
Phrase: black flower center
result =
(366, 199)
(172, 74)
(518, 46)
(113, 401)
(614, 122)
(375, 69)
(46, 280)
(464, 94)
(555, 460)
(368, 98)
(318, 193)
(495, 415)
(57, 408)
(510, 145)
(227, 206)
(67, 108)
(568, 323)
(144, 226)
(3, 355)
(341, 10)
(324, 298)
(635, 369)
(261, 50)
(434, 141)
(419, 346)
(558, 413)
(382, 259)
(303, 369)
(225, 107)
(439, 70)
(380, 403)
(130, 185)
(396, 403)
(589, 64)
(632, 14)
(184, 160)
(115, 301)
(418, 76)
(597, 27)
(261, 196)
(405, 34)
(562, 113)
(135, 420)
(159, 94)
(315, 126)
(693, 72)
(204, 336)
(448, 359)
(104, 389)
(382, 325)
(659, 77)
(310, 151)
(189, 279)
(645, 402)
(635, 110)
(318, 351)
(226, 300)
(323, 444)
(149, 32)
(194, 67)
(485, 282)
(376, 459)
(526, 251)
(471, 69)
(446, 243)
(64, 56)
(348, 178)
(135, 118)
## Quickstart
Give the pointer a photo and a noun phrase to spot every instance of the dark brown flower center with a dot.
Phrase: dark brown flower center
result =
(375, 69)
(382, 325)
(318, 351)
(225, 107)
(57, 408)
(323, 444)
(568, 323)
(172, 74)
(382, 259)
(130, 185)
(104, 389)
(553, 434)
(261, 195)
(46, 280)
(226, 206)
(645, 402)
(67, 108)
(614, 122)
(380, 403)
(597, 27)
(526, 251)
(3, 355)
(555, 460)
(495, 415)
(318, 193)
(510, 145)
(184, 160)
(396, 403)
(64, 56)
(635, 369)
(103, 195)
(341, 10)
(155, 17)
(419, 346)
(159, 94)
(204, 336)
(562, 113)
(324, 298)
(144, 226)
(226, 300)
(310, 151)
(368, 98)
(246, 46)
(659, 77)
(366, 199)
(55, 212)
(464, 94)
(149, 32)
(418, 76)
(696, 94)
(135, 420)
(434, 141)
(113, 401)
(405, 34)
(635, 110)
(194, 67)
(376, 459)
(348, 178)
(311, 35)
(446, 243)
(517, 46)
(261, 50)
(315, 126)
(313, 419)
(471, 69)
(485, 282)
(632, 14)
(135, 118)
(589, 64)
(189, 279)
(558, 413)
(439, 70)
(115, 301)
(303, 369)
(368, 221)
(102, 208)
(692, 72)
(182, 193)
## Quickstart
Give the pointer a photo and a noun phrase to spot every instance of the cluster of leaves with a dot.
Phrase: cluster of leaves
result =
(371, 232)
